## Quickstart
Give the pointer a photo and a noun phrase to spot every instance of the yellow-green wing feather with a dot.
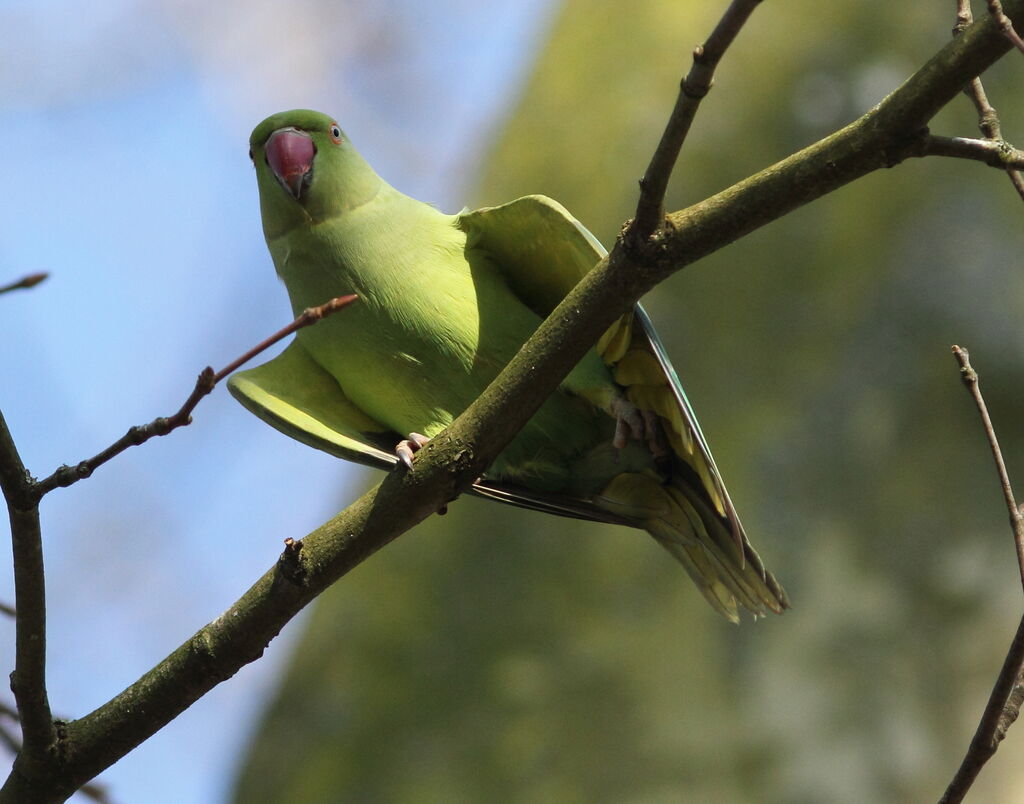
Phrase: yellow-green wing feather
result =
(543, 251)
(293, 394)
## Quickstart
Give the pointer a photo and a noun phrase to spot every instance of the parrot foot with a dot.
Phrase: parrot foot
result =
(654, 435)
(405, 451)
(640, 425)
(409, 447)
(628, 422)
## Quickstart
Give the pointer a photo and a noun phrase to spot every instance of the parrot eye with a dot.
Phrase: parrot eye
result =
(250, 155)
(335, 133)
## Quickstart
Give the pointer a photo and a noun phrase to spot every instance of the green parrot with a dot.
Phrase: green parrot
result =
(445, 301)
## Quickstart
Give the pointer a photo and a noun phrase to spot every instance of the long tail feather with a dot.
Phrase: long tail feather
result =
(700, 540)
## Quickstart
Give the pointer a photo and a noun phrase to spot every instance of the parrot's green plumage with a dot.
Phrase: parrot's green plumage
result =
(444, 303)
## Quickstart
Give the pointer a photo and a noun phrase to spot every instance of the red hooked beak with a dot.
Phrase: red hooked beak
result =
(290, 155)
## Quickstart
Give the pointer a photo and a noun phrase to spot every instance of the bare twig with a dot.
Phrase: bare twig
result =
(970, 379)
(989, 125)
(205, 383)
(995, 8)
(29, 281)
(650, 210)
(8, 610)
(1008, 693)
(995, 153)
(988, 119)
(963, 16)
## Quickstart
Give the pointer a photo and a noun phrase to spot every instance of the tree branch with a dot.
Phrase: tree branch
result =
(988, 119)
(650, 209)
(995, 8)
(994, 153)
(970, 379)
(37, 756)
(29, 281)
(891, 132)
(1008, 693)
(28, 681)
(161, 426)
(1000, 713)
(9, 739)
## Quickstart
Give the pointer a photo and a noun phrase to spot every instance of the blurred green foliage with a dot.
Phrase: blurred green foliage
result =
(498, 655)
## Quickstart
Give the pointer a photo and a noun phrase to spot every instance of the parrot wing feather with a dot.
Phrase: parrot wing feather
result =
(543, 251)
(293, 394)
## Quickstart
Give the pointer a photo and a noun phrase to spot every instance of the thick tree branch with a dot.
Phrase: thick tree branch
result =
(888, 134)
(651, 208)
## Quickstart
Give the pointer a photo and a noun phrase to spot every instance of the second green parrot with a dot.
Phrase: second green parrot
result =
(445, 301)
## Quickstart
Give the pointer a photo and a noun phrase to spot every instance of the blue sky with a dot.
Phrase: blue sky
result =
(124, 124)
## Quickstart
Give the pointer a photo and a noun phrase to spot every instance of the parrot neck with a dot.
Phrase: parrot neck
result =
(334, 194)
(335, 198)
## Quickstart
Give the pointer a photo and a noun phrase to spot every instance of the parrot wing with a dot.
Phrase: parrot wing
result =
(542, 252)
(293, 394)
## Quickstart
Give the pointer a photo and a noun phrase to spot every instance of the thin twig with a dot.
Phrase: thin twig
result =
(970, 379)
(995, 153)
(205, 383)
(988, 118)
(29, 281)
(1005, 700)
(989, 125)
(650, 210)
(7, 609)
(963, 16)
(995, 8)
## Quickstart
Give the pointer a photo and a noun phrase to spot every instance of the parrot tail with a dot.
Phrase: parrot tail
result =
(728, 572)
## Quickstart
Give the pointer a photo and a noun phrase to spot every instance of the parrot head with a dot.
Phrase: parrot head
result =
(307, 170)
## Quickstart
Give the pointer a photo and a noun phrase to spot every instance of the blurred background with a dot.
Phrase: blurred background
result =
(494, 654)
